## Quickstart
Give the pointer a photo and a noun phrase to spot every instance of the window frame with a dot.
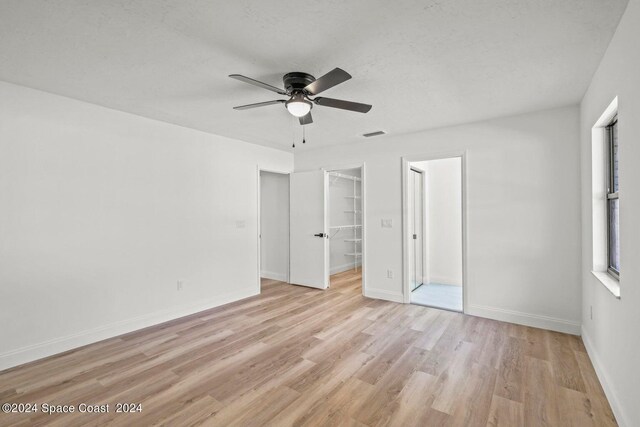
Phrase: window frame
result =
(611, 133)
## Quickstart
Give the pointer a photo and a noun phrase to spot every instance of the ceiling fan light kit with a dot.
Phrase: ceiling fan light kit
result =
(298, 105)
(300, 87)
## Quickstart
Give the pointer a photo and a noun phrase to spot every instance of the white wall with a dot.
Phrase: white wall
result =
(443, 204)
(339, 189)
(523, 234)
(101, 212)
(612, 336)
(274, 226)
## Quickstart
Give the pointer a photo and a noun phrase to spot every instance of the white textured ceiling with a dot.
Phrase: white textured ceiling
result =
(422, 64)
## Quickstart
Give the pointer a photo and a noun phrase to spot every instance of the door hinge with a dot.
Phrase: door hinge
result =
(415, 236)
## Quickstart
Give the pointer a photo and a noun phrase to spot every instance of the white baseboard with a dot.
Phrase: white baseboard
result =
(607, 385)
(274, 276)
(527, 319)
(343, 267)
(47, 348)
(384, 294)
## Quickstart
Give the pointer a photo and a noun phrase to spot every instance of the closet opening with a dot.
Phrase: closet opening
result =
(345, 221)
(434, 241)
(273, 228)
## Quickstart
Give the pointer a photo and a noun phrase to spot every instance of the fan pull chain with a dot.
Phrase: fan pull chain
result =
(293, 132)
(304, 141)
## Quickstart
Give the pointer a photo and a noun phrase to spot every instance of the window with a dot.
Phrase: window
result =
(605, 204)
(613, 201)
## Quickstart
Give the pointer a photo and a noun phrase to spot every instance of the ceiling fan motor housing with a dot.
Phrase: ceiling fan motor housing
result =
(295, 82)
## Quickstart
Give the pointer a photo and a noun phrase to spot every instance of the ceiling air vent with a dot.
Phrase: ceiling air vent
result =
(376, 133)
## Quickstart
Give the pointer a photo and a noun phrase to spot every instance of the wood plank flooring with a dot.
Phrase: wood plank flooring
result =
(303, 357)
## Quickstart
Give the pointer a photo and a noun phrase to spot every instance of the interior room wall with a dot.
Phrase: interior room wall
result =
(339, 189)
(274, 226)
(443, 196)
(609, 324)
(523, 236)
(103, 212)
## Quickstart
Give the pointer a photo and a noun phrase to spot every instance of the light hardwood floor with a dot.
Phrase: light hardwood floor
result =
(299, 356)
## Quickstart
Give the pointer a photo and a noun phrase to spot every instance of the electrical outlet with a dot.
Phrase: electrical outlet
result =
(389, 274)
(386, 223)
(180, 284)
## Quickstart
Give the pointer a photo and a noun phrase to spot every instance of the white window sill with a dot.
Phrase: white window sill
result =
(609, 282)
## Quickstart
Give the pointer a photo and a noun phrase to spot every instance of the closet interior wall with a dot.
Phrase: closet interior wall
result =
(274, 226)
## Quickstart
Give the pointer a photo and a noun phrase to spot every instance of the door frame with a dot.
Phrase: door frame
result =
(260, 169)
(363, 188)
(406, 160)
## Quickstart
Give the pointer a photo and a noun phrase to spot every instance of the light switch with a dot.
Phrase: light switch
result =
(387, 223)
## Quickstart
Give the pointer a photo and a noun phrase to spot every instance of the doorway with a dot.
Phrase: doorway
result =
(327, 223)
(434, 233)
(345, 228)
(274, 227)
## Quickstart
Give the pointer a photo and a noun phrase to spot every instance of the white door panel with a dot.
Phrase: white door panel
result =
(309, 252)
(416, 228)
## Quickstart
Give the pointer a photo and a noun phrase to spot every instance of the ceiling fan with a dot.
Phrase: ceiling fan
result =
(300, 87)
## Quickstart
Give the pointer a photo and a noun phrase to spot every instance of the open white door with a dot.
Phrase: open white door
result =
(309, 246)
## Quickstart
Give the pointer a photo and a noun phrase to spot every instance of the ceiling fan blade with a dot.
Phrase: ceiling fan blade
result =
(329, 80)
(306, 120)
(343, 105)
(259, 104)
(257, 83)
